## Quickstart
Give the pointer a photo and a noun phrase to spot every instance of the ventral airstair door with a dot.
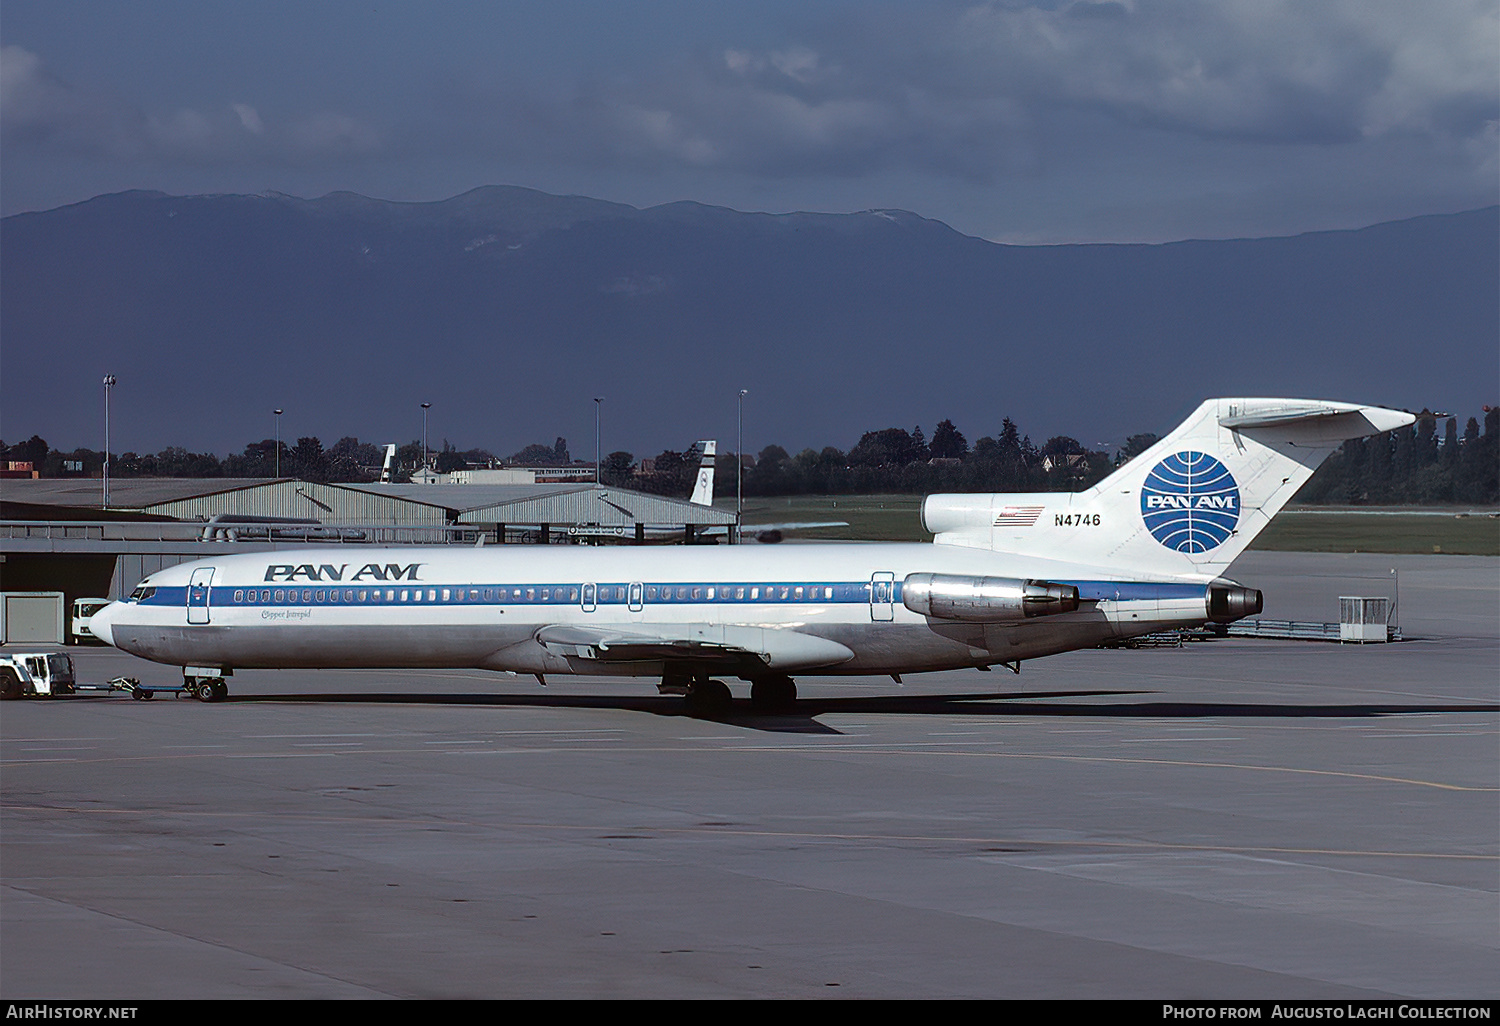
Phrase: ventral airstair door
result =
(882, 596)
(197, 594)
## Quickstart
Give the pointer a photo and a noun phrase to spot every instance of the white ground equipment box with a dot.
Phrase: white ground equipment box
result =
(31, 617)
(1363, 619)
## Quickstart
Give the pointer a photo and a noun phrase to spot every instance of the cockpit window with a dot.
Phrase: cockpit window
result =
(142, 593)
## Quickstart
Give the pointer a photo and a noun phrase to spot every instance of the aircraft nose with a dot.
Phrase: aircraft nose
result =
(102, 623)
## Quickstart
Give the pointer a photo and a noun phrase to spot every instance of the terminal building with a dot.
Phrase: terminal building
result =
(57, 539)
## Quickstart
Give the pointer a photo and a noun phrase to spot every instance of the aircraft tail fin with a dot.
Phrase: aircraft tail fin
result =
(1189, 504)
(390, 457)
(703, 489)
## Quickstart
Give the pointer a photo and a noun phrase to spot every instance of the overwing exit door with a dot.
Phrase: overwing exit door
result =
(882, 596)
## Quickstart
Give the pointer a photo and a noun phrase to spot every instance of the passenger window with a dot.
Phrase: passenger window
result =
(239, 595)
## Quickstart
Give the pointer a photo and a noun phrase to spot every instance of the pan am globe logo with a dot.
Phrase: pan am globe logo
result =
(1190, 502)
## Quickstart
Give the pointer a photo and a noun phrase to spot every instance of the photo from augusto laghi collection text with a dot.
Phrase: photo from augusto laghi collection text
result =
(1327, 1010)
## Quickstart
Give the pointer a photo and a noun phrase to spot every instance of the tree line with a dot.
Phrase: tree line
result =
(1429, 463)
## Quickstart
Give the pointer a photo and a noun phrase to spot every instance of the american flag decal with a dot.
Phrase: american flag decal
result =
(1017, 516)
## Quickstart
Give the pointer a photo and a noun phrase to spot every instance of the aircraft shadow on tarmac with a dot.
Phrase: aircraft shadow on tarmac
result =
(802, 717)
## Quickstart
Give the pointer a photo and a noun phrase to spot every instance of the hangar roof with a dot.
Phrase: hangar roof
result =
(554, 504)
(124, 492)
(371, 503)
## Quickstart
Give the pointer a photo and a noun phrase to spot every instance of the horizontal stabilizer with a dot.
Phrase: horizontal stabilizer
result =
(1357, 420)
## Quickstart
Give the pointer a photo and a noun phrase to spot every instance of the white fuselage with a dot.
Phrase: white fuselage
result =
(485, 607)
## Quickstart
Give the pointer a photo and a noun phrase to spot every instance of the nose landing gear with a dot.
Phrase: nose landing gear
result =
(207, 689)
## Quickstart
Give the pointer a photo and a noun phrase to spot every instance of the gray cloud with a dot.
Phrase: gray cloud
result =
(984, 91)
(38, 109)
(1047, 120)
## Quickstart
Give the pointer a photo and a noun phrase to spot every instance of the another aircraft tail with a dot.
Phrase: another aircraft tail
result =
(390, 457)
(1189, 504)
(703, 490)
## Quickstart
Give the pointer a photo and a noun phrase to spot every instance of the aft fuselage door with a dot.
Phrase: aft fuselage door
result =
(637, 592)
(882, 596)
(590, 597)
(197, 594)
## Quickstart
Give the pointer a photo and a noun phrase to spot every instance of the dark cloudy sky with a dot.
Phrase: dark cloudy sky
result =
(1047, 121)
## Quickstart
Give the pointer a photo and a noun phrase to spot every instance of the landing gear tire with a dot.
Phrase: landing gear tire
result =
(211, 690)
(709, 699)
(773, 694)
(675, 684)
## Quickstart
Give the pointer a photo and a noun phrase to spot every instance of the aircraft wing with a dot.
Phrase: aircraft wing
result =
(721, 645)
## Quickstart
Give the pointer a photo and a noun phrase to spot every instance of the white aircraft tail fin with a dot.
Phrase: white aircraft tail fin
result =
(390, 457)
(703, 490)
(1189, 504)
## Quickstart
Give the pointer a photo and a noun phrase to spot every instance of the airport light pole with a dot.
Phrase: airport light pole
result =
(598, 403)
(278, 443)
(109, 383)
(739, 470)
(425, 408)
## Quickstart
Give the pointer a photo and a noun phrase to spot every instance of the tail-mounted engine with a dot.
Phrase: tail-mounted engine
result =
(985, 599)
(1228, 603)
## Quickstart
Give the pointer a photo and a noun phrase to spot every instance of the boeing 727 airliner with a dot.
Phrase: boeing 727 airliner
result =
(1007, 577)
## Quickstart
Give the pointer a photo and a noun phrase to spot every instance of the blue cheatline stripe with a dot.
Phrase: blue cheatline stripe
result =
(1126, 591)
(618, 594)
(540, 594)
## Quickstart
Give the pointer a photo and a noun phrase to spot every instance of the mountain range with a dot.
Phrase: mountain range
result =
(509, 310)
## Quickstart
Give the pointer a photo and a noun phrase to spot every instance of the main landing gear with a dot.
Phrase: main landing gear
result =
(773, 694)
(708, 698)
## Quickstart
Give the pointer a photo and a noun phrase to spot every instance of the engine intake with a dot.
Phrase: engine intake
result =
(1228, 603)
(985, 599)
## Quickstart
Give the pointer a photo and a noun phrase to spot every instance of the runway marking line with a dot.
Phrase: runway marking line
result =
(833, 747)
(1208, 765)
(646, 831)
